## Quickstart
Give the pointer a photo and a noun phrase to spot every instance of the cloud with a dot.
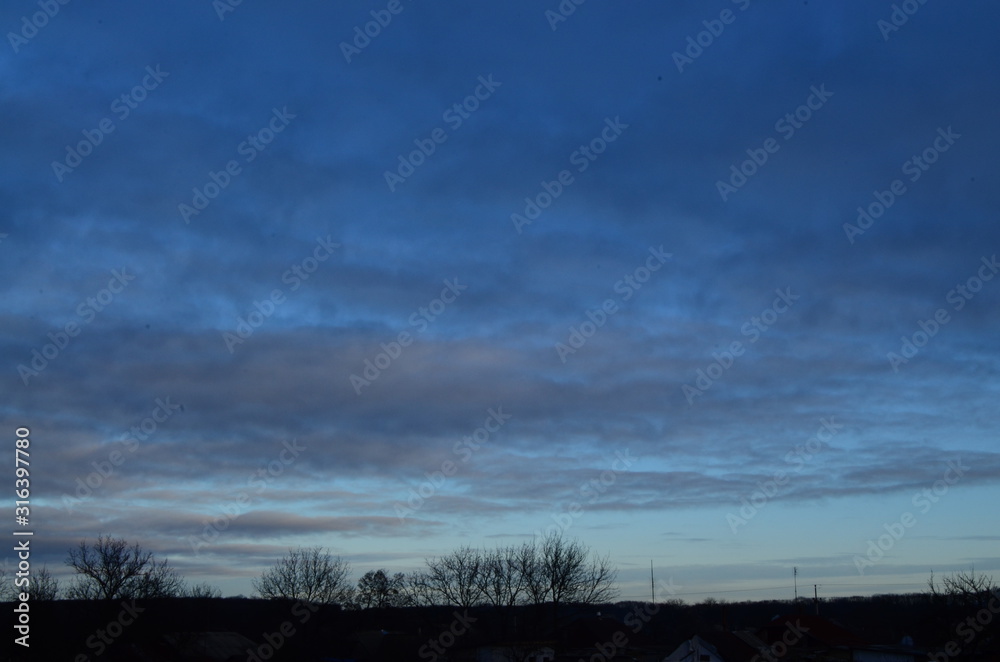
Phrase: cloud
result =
(322, 178)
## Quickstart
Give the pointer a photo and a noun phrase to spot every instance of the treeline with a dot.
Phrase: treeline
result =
(110, 569)
(553, 570)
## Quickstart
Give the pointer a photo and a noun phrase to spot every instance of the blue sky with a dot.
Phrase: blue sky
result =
(485, 273)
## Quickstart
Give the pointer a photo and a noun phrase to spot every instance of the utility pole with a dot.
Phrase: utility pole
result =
(816, 599)
(795, 578)
(652, 585)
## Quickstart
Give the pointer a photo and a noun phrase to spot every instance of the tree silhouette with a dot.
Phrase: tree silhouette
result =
(43, 586)
(454, 579)
(560, 571)
(309, 574)
(377, 589)
(202, 590)
(964, 589)
(112, 569)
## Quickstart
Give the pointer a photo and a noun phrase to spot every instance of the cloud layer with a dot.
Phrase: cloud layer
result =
(516, 262)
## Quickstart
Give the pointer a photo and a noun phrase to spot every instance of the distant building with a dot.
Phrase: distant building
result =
(716, 647)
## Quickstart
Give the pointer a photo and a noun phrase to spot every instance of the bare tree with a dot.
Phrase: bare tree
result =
(378, 589)
(310, 574)
(112, 569)
(560, 572)
(454, 579)
(202, 590)
(965, 589)
(501, 580)
(160, 581)
(8, 592)
(418, 590)
(595, 584)
(536, 587)
(43, 586)
(962, 593)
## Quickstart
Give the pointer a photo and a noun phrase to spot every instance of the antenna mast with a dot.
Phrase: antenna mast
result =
(795, 577)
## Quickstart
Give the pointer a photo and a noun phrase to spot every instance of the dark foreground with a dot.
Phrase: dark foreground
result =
(910, 628)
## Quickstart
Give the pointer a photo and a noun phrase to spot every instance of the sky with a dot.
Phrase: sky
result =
(705, 285)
